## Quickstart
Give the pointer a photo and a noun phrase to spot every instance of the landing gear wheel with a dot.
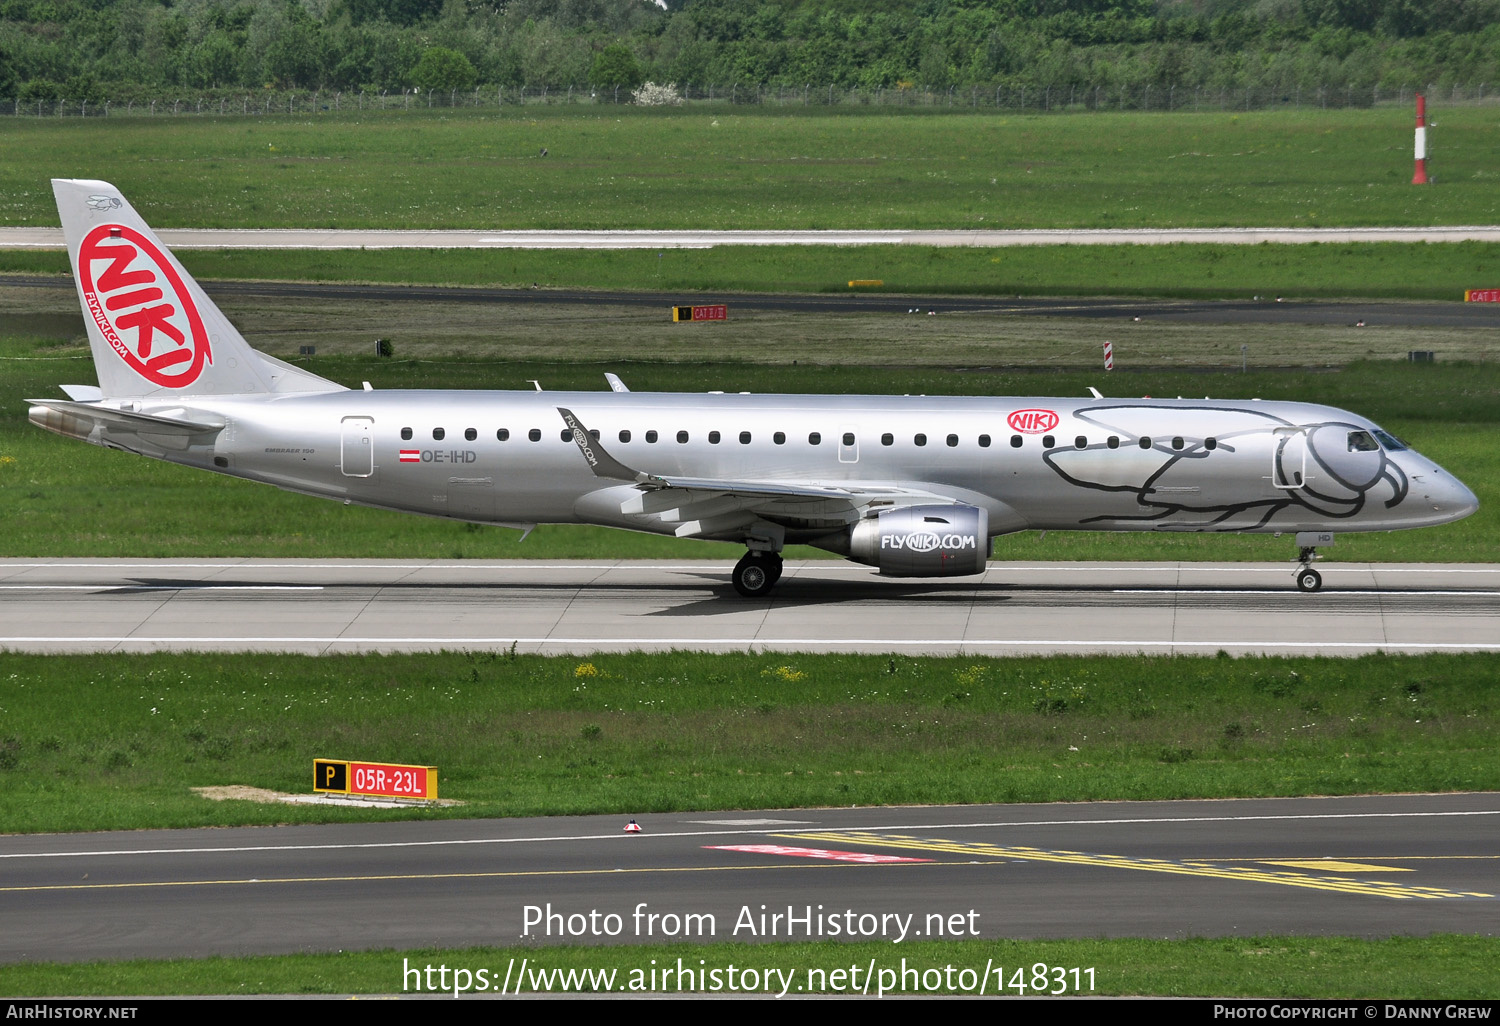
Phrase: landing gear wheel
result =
(755, 574)
(1309, 580)
(773, 559)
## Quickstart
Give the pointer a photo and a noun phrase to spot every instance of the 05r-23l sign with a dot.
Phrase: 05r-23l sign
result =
(375, 779)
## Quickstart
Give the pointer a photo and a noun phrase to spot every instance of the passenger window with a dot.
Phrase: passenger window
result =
(984, 441)
(1015, 441)
(682, 437)
(503, 435)
(1177, 442)
(1114, 441)
(779, 438)
(815, 438)
(919, 440)
(1360, 441)
(594, 434)
(535, 434)
(651, 437)
(952, 441)
(566, 434)
(848, 437)
(437, 434)
(625, 436)
(1145, 442)
(713, 438)
(1081, 442)
(744, 438)
(1048, 441)
(470, 434)
(887, 439)
(406, 434)
(1210, 443)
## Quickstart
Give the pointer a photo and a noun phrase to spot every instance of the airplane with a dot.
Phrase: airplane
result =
(915, 486)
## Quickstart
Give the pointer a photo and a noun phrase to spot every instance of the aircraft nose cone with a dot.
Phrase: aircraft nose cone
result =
(1446, 495)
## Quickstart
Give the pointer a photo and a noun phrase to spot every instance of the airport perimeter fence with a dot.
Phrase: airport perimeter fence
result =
(1029, 99)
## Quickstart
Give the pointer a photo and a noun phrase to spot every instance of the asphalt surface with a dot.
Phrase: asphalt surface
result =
(561, 607)
(1266, 310)
(1365, 866)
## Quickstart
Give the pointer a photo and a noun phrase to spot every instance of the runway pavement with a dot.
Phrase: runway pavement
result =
(338, 238)
(1361, 866)
(557, 607)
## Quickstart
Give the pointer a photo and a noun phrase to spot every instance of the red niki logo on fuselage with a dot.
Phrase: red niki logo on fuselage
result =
(1032, 422)
(141, 306)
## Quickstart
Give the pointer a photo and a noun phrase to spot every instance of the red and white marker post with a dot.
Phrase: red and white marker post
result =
(1109, 356)
(1420, 177)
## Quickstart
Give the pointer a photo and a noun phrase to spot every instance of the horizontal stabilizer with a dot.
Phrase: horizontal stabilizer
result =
(171, 428)
(83, 393)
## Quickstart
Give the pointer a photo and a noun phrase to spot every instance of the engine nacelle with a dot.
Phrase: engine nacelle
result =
(924, 541)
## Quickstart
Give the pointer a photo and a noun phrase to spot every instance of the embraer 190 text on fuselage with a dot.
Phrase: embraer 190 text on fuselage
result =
(915, 486)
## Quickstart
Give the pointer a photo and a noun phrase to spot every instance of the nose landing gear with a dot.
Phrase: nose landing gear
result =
(1308, 579)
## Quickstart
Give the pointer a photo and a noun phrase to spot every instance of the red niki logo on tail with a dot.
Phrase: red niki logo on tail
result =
(142, 307)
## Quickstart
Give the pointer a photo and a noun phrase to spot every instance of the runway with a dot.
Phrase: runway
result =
(1362, 866)
(1261, 310)
(563, 607)
(338, 238)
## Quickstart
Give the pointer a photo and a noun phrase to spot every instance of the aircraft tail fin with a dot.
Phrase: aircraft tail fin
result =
(152, 329)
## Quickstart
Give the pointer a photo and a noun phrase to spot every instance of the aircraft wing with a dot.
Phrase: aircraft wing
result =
(710, 505)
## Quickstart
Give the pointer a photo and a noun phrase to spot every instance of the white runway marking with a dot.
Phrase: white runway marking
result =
(337, 238)
(1285, 591)
(833, 565)
(779, 644)
(116, 586)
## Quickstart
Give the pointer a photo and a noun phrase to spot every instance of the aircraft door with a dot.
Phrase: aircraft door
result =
(357, 446)
(1289, 458)
(848, 445)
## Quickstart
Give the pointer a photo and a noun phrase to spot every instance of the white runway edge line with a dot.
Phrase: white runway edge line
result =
(762, 832)
(780, 644)
(1358, 593)
(829, 565)
(329, 238)
(116, 586)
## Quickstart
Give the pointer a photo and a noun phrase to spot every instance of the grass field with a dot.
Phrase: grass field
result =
(1447, 968)
(119, 742)
(727, 169)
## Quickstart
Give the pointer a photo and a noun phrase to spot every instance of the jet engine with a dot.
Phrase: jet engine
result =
(924, 541)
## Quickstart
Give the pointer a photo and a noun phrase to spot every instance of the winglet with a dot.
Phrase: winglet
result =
(615, 384)
(601, 462)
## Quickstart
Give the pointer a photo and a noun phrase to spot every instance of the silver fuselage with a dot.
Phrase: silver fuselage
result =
(1273, 466)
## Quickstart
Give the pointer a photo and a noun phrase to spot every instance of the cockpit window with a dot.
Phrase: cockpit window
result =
(1390, 441)
(1360, 441)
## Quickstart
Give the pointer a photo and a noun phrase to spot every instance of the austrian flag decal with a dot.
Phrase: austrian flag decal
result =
(140, 304)
(411, 456)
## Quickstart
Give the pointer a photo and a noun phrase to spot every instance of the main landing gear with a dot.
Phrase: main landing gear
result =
(757, 573)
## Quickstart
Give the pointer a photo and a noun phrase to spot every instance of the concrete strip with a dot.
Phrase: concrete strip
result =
(338, 238)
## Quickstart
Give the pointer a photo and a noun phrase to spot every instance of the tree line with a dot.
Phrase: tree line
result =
(89, 50)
